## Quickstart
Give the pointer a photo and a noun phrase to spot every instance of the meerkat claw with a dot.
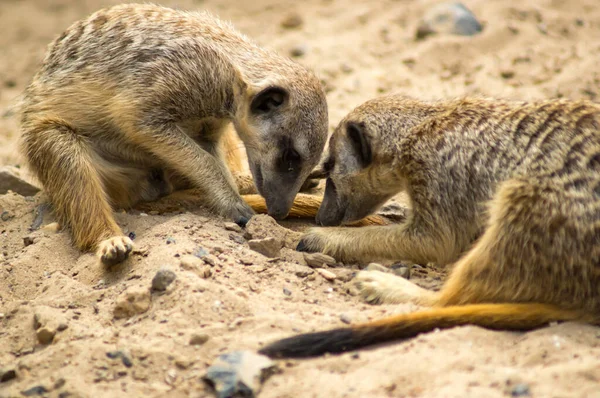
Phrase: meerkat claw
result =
(115, 250)
(242, 221)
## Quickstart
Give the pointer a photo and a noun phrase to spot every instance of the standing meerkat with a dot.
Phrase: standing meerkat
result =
(508, 190)
(131, 103)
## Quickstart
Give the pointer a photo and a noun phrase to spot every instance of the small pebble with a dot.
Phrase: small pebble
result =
(189, 262)
(205, 272)
(239, 374)
(170, 241)
(269, 247)
(120, 354)
(28, 240)
(401, 269)
(126, 360)
(231, 226)
(7, 375)
(210, 260)
(200, 252)
(299, 50)
(237, 239)
(520, 390)
(326, 274)
(317, 260)
(346, 68)
(507, 74)
(133, 301)
(5, 216)
(346, 319)
(45, 335)
(171, 376)
(199, 338)
(163, 278)
(292, 21)
(246, 261)
(287, 291)
(450, 17)
(303, 272)
(132, 235)
(37, 390)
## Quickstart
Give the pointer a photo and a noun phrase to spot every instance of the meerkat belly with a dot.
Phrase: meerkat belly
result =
(129, 174)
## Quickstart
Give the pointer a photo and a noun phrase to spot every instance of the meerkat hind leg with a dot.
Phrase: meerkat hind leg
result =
(65, 166)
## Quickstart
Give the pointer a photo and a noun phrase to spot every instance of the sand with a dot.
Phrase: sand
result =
(361, 50)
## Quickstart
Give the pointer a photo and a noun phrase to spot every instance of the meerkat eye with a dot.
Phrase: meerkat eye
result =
(268, 100)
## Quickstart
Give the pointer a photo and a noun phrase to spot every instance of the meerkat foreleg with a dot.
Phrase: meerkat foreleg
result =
(409, 241)
(203, 164)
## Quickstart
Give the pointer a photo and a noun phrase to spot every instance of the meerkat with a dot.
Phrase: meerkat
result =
(132, 103)
(507, 191)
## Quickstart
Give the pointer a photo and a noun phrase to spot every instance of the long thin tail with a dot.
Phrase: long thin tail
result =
(517, 317)
(307, 206)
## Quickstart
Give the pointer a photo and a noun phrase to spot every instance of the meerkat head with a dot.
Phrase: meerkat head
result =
(360, 165)
(284, 129)
(357, 184)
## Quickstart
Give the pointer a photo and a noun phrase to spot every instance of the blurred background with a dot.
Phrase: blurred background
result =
(360, 49)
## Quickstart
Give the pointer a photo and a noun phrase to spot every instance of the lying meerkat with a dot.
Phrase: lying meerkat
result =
(508, 190)
(132, 102)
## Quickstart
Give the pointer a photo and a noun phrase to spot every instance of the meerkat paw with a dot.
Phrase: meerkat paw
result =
(335, 242)
(241, 213)
(378, 287)
(114, 250)
(313, 241)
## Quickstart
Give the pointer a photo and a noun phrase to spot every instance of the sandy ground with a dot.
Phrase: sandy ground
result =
(360, 49)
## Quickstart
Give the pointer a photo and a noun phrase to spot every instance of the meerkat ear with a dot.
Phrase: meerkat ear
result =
(268, 100)
(360, 142)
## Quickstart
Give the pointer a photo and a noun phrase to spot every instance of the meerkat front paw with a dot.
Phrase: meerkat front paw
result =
(114, 250)
(378, 287)
(241, 213)
(313, 241)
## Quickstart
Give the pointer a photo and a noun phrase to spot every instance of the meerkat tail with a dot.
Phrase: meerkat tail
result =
(307, 206)
(515, 317)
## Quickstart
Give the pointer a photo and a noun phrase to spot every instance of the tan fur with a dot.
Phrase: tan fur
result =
(509, 191)
(136, 101)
